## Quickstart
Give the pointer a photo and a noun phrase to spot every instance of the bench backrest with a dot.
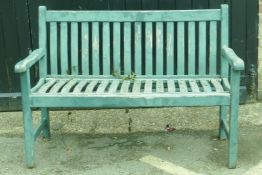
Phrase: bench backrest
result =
(182, 42)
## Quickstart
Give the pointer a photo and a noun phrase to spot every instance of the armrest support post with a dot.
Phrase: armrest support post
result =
(25, 85)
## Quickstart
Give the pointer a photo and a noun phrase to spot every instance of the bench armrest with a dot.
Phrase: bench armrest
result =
(235, 62)
(26, 63)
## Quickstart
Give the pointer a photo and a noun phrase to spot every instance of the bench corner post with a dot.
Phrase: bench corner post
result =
(27, 120)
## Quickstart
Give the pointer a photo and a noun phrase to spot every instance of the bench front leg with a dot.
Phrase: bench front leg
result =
(236, 65)
(233, 120)
(27, 120)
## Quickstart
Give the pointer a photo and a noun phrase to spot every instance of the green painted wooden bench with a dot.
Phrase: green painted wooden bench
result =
(86, 59)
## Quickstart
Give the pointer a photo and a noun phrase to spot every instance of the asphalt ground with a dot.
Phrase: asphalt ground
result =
(133, 142)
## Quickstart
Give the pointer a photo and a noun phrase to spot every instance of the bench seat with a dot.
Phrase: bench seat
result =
(141, 92)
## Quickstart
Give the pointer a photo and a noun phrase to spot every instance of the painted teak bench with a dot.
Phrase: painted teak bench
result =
(126, 59)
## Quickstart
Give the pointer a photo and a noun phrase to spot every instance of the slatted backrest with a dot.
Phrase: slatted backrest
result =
(183, 42)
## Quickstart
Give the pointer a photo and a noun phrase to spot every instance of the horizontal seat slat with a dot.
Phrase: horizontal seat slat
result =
(38, 85)
(113, 86)
(194, 86)
(80, 86)
(125, 87)
(217, 85)
(136, 86)
(148, 86)
(57, 86)
(101, 88)
(68, 86)
(182, 86)
(159, 86)
(91, 86)
(171, 86)
(226, 84)
(47, 85)
(206, 86)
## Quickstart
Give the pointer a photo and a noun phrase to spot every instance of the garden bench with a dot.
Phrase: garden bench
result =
(126, 59)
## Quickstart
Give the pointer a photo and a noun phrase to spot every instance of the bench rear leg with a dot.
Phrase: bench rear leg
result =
(45, 118)
(223, 111)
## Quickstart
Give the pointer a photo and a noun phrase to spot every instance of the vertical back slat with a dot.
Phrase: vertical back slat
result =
(224, 38)
(180, 48)
(202, 48)
(63, 48)
(116, 47)
(138, 48)
(191, 48)
(74, 48)
(95, 48)
(159, 48)
(85, 48)
(106, 48)
(149, 48)
(127, 47)
(42, 40)
(53, 47)
(213, 48)
(170, 48)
